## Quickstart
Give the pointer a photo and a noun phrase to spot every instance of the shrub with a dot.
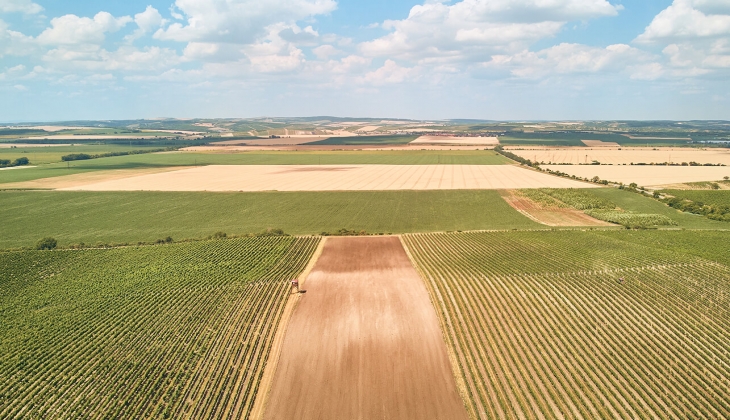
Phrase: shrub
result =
(46, 243)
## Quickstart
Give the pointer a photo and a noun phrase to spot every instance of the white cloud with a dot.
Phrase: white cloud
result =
(149, 20)
(237, 21)
(564, 59)
(74, 30)
(695, 35)
(14, 43)
(126, 58)
(687, 19)
(471, 28)
(323, 52)
(389, 73)
(20, 6)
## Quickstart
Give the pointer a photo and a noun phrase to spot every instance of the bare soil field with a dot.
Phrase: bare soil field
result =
(624, 155)
(79, 180)
(236, 146)
(465, 141)
(364, 342)
(551, 216)
(600, 143)
(648, 176)
(336, 178)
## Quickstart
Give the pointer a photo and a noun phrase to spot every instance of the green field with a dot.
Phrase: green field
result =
(52, 154)
(167, 331)
(572, 324)
(641, 204)
(365, 140)
(168, 159)
(572, 138)
(116, 217)
(716, 198)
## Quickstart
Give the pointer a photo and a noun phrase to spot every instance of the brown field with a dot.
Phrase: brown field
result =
(551, 216)
(646, 175)
(336, 178)
(464, 141)
(235, 146)
(626, 155)
(600, 143)
(364, 342)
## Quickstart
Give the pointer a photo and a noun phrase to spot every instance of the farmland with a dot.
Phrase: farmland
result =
(581, 324)
(52, 154)
(335, 178)
(623, 155)
(177, 159)
(169, 331)
(645, 175)
(117, 217)
(362, 140)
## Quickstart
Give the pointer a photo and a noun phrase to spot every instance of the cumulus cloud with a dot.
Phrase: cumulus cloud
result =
(566, 59)
(695, 35)
(126, 58)
(13, 42)
(74, 30)
(237, 21)
(389, 73)
(688, 19)
(473, 27)
(20, 6)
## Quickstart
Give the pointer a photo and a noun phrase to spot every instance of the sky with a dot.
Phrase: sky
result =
(433, 59)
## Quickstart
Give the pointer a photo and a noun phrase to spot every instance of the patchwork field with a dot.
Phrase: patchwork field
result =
(621, 156)
(582, 324)
(336, 178)
(445, 140)
(171, 331)
(226, 156)
(648, 176)
(364, 341)
(550, 214)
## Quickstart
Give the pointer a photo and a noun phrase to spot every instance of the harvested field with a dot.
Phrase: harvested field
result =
(463, 141)
(364, 341)
(626, 155)
(600, 143)
(646, 175)
(84, 178)
(25, 145)
(337, 178)
(549, 215)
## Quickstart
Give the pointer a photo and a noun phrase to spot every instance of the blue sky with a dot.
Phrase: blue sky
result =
(488, 59)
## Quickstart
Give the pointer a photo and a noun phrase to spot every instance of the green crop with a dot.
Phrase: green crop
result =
(601, 324)
(168, 331)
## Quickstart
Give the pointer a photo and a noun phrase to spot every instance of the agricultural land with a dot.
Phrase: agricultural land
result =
(330, 268)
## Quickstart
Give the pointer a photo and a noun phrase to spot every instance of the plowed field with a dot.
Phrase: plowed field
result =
(364, 342)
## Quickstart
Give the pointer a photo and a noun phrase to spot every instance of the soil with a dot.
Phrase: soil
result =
(364, 342)
(550, 216)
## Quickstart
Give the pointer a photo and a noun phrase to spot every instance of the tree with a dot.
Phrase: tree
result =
(46, 243)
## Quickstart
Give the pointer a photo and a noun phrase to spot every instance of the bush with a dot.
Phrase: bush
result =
(46, 243)
(75, 156)
(21, 161)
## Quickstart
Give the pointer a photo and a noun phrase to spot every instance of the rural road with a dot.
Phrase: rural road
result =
(364, 341)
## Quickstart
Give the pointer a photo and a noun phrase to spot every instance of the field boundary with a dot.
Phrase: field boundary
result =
(262, 397)
(453, 360)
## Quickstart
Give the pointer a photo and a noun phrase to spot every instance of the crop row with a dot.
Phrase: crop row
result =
(619, 331)
(176, 331)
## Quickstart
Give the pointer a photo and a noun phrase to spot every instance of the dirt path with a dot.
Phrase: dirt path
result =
(364, 341)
